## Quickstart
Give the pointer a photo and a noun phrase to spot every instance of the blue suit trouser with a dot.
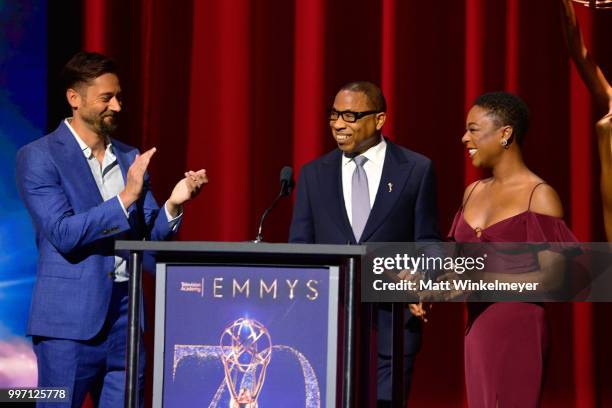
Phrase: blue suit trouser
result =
(97, 366)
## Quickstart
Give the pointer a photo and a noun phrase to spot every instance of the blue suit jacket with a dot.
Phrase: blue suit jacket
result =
(407, 213)
(75, 233)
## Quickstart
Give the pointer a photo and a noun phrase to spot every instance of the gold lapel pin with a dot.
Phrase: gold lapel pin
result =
(390, 185)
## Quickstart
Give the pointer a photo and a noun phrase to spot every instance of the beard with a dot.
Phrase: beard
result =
(101, 125)
(108, 126)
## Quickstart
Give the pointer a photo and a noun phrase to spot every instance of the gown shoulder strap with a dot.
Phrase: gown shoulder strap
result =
(531, 195)
(470, 194)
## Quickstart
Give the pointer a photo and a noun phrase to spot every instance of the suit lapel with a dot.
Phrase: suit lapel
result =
(330, 179)
(396, 171)
(73, 164)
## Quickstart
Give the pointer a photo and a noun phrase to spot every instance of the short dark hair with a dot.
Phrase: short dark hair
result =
(84, 67)
(508, 110)
(372, 91)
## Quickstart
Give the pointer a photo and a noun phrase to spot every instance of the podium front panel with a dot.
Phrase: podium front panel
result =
(234, 333)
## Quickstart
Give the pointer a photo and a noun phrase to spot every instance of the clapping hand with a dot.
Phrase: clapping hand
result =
(186, 189)
(135, 178)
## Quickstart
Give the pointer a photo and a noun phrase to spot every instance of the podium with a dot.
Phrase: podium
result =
(241, 321)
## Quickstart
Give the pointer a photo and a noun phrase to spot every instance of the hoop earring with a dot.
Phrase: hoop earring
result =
(505, 144)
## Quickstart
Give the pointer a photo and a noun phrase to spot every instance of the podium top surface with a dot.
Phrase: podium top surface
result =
(240, 247)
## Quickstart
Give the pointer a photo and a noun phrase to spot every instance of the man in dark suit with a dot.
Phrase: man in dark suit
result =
(369, 189)
(84, 190)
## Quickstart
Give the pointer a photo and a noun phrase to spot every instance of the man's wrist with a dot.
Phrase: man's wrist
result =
(127, 199)
(174, 209)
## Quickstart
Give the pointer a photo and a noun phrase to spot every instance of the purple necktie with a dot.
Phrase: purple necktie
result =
(360, 197)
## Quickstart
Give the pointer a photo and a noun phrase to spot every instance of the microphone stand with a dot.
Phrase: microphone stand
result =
(284, 192)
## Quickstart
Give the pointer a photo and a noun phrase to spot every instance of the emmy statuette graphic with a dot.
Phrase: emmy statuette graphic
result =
(246, 349)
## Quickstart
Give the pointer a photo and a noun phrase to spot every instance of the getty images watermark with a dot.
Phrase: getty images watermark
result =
(491, 272)
(409, 266)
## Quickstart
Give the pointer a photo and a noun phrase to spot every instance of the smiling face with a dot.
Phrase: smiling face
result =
(483, 137)
(98, 103)
(359, 136)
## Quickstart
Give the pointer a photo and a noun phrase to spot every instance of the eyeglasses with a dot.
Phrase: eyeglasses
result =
(348, 116)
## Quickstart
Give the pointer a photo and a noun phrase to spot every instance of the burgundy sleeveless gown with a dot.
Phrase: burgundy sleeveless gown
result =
(506, 343)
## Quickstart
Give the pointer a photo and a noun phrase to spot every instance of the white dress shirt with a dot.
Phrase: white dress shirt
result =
(109, 180)
(373, 168)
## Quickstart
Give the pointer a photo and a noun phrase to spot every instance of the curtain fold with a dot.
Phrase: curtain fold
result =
(582, 200)
(309, 73)
(388, 80)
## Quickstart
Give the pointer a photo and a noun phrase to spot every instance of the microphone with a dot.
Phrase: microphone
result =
(286, 182)
(286, 179)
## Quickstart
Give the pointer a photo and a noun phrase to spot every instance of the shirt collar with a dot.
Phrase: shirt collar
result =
(374, 154)
(84, 148)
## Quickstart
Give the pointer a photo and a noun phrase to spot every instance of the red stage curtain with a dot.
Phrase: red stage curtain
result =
(240, 87)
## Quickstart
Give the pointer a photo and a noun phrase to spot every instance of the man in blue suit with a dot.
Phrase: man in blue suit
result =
(369, 189)
(84, 190)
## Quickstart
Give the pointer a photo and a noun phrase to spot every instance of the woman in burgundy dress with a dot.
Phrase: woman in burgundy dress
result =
(505, 343)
